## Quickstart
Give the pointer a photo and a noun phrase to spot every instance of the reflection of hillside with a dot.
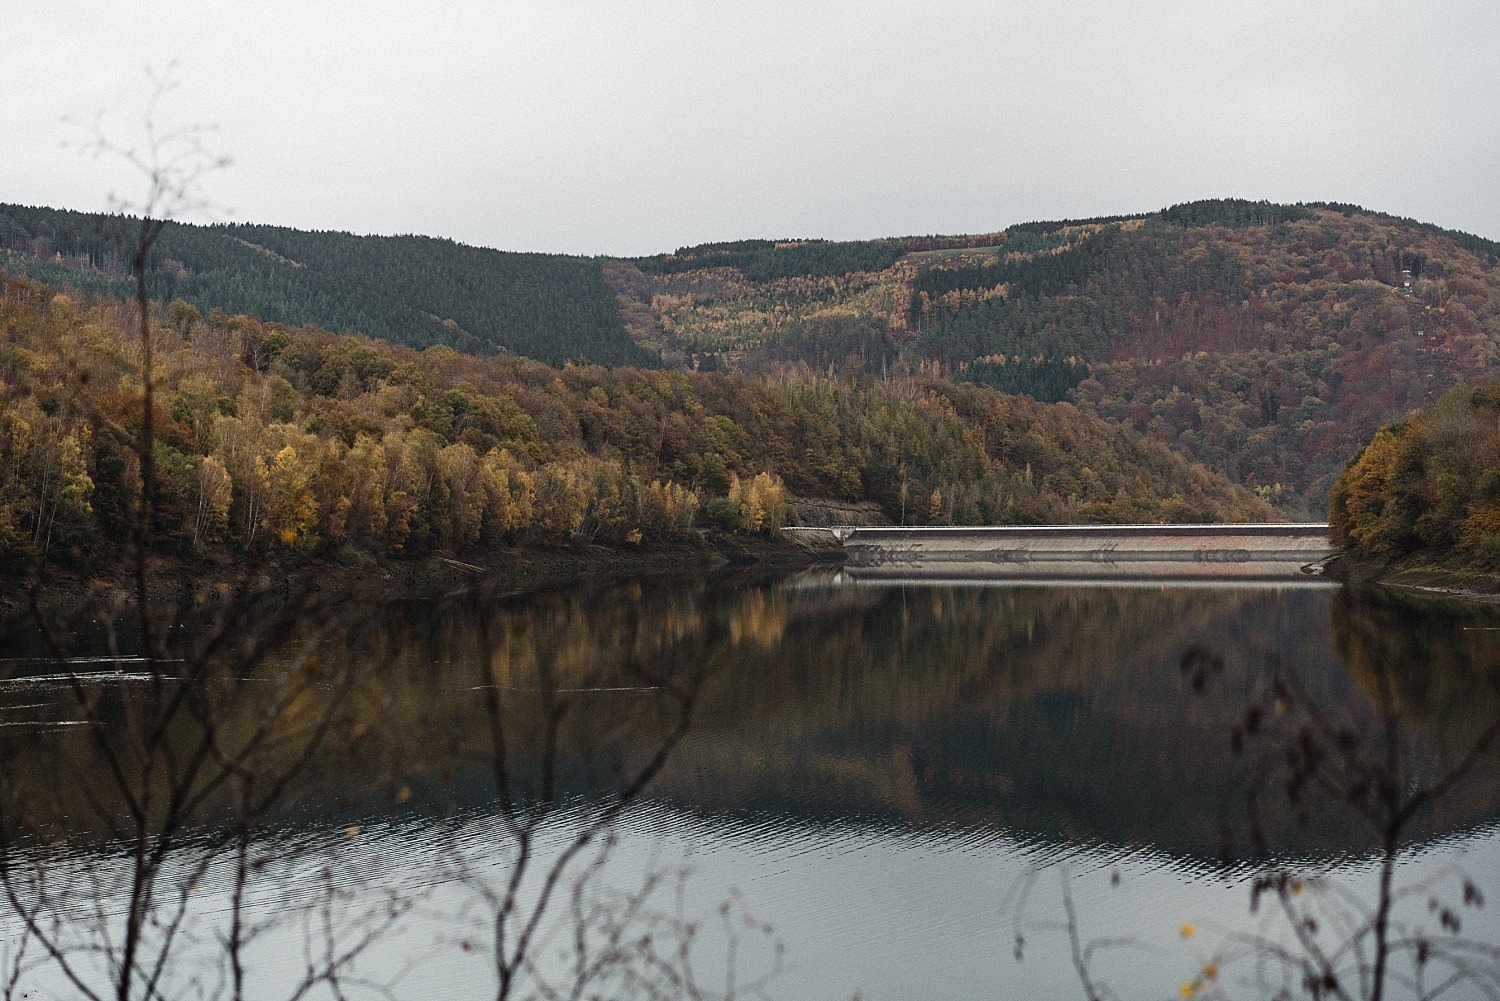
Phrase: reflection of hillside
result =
(413, 717)
(1437, 663)
(1440, 659)
(1061, 712)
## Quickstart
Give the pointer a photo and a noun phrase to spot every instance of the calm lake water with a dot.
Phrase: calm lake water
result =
(889, 784)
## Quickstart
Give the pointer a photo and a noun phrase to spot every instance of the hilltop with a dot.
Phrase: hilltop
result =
(1267, 342)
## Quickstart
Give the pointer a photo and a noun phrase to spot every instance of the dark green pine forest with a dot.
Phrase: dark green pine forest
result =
(412, 290)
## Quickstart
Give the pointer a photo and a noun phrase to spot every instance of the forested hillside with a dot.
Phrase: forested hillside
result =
(271, 436)
(412, 290)
(1267, 342)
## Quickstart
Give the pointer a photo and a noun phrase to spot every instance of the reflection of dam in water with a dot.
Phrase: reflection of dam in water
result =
(1083, 552)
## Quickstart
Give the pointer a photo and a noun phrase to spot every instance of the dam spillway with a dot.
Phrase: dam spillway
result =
(1090, 552)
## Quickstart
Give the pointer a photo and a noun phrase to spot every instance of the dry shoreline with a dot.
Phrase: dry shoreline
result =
(1428, 575)
(207, 577)
(199, 578)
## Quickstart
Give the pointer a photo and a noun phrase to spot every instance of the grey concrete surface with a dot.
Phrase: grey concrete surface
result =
(1081, 552)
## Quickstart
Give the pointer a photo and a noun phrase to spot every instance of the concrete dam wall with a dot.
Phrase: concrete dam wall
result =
(1088, 552)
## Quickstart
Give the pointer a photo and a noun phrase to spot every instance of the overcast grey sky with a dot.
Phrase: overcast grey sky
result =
(631, 128)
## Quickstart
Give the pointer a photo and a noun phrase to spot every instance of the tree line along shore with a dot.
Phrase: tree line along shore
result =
(271, 438)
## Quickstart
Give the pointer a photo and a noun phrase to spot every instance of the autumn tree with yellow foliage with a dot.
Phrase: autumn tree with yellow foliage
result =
(271, 438)
(1428, 484)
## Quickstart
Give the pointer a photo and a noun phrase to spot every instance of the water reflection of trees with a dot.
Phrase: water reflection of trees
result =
(1054, 711)
(189, 756)
(1049, 711)
(1441, 658)
(134, 779)
(1060, 713)
(1409, 751)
